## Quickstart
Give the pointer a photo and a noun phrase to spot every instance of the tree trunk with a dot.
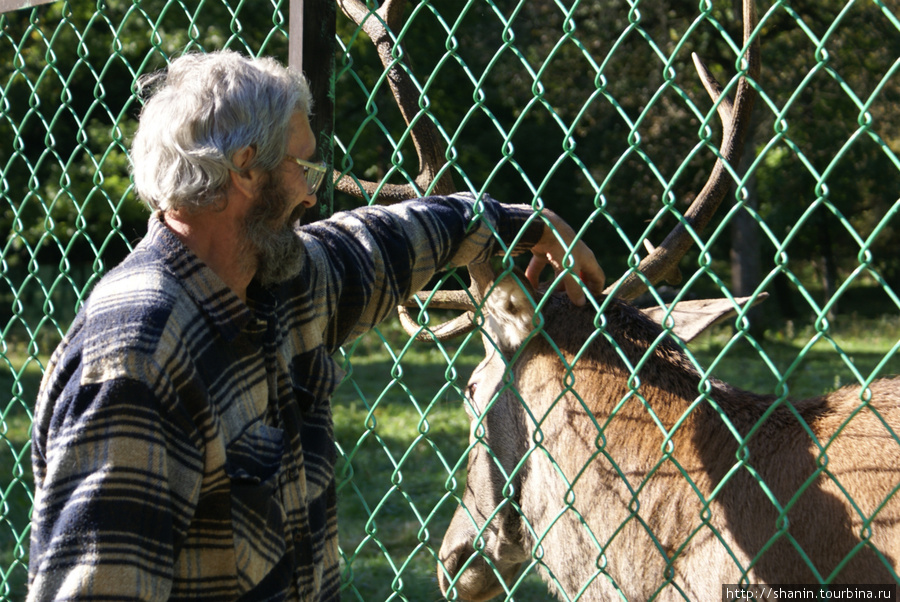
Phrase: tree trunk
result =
(745, 242)
(829, 265)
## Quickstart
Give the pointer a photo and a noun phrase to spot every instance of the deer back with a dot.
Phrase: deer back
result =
(631, 470)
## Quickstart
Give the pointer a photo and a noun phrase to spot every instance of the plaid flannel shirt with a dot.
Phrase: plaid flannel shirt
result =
(183, 444)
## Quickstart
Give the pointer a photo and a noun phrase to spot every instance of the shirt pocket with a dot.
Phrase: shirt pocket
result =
(253, 464)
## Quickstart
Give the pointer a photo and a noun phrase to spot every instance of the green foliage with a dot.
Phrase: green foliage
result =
(590, 107)
(20, 376)
(594, 110)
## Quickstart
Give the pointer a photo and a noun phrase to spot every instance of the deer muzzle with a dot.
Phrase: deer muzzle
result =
(476, 575)
(473, 575)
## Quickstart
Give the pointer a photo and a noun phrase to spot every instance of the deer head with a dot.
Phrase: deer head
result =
(483, 547)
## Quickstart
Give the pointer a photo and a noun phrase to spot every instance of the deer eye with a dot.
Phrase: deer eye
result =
(470, 390)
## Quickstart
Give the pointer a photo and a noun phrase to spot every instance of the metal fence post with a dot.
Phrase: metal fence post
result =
(311, 49)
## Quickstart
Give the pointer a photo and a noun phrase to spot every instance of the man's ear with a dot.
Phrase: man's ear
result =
(244, 178)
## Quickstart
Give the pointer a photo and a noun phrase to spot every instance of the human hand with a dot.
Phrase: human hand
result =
(550, 250)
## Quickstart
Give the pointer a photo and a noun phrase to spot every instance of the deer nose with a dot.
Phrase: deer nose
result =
(473, 576)
(478, 580)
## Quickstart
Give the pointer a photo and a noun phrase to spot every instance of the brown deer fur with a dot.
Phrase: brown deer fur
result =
(626, 510)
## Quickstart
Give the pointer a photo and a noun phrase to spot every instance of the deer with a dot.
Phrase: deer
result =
(601, 456)
(654, 481)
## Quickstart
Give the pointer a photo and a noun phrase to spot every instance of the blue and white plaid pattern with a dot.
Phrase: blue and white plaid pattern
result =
(183, 444)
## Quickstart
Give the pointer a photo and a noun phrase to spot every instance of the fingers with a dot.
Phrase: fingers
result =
(582, 262)
(573, 289)
(590, 271)
(534, 269)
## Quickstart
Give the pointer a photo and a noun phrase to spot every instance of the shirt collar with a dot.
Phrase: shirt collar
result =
(224, 308)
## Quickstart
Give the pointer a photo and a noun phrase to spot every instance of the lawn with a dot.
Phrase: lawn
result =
(402, 436)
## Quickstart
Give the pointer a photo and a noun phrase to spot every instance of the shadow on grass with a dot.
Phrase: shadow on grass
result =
(403, 442)
(403, 438)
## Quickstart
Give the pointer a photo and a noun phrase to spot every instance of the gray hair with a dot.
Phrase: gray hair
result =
(203, 110)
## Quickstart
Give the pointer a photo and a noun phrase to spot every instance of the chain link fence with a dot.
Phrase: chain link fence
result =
(589, 107)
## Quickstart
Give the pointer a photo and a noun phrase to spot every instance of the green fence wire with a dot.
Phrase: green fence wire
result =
(588, 107)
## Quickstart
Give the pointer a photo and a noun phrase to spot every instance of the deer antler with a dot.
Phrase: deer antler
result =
(429, 149)
(482, 275)
(661, 263)
(425, 136)
(458, 326)
(736, 122)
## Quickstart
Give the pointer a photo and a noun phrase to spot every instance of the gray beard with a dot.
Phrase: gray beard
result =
(277, 250)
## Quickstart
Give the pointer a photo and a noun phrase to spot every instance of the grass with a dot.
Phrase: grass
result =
(853, 351)
(403, 434)
(402, 437)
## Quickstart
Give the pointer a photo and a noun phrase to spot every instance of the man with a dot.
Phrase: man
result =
(183, 442)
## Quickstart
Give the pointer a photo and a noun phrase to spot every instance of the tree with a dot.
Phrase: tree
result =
(70, 106)
(594, 108)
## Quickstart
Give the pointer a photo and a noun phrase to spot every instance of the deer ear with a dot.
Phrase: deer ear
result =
(691, 318)
(509, 311)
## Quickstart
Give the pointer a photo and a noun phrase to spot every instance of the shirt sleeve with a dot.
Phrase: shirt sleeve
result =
(365, 262)
(108, 518)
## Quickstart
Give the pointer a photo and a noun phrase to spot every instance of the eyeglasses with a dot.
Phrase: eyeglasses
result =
(313, 173)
